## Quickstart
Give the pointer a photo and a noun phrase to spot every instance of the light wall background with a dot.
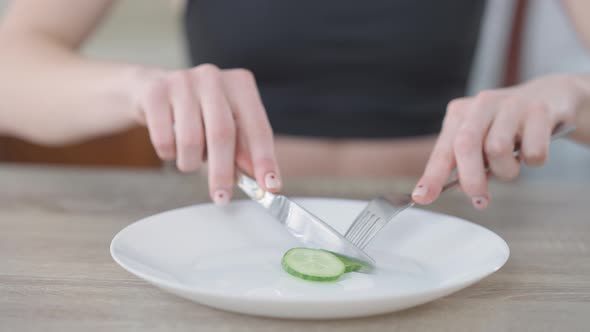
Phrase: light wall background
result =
(149, 32)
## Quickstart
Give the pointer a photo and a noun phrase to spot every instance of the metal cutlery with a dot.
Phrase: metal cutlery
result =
(302, 224)
(381, 210)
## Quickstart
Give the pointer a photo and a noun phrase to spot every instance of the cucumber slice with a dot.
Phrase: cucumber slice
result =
(350, 265)
(312, 264)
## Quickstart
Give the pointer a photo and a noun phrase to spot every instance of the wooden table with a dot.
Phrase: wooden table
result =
(56, 273)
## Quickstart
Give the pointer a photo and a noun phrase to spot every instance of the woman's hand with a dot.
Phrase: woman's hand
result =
(208, 113)
(190, 114)
(483, 130)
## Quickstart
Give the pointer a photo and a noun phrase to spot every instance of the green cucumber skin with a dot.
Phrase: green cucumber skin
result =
(351, 268)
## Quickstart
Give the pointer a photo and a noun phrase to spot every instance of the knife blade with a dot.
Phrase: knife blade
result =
(302, 224)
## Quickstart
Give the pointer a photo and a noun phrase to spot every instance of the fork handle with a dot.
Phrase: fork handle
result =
(560, 131)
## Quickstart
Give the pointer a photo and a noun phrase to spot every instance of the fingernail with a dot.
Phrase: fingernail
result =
(420, 191)
(480, 202)
(221, 197)
(272, 181)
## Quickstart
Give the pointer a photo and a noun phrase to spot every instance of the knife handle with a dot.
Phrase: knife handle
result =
(249, 186)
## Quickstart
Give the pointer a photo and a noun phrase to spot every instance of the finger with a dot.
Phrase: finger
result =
(159, 119)
(188, 124)
(243, 155)
(252, 121)
(468, 147)
(141, 117)
(441, 163)
(500, 141)
(536, 136)
(220, 132)
(460, 189)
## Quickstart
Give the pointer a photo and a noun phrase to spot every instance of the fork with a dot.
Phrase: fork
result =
(379, 211)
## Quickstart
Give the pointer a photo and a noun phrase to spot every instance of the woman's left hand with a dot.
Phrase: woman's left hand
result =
(483, 130)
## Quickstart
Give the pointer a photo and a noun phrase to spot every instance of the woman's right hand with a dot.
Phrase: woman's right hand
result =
(205, 113)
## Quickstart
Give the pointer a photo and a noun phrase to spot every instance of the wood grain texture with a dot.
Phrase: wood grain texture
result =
(56, 273)
(131, 148)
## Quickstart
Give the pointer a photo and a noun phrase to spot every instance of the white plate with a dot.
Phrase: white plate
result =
(229, 258)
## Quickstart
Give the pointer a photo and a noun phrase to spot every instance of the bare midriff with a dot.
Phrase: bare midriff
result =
(354, 158)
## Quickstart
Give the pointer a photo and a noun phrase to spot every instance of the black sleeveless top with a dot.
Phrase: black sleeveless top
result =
(341, 68)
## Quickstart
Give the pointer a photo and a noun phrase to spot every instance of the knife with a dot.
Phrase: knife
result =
(302, 224)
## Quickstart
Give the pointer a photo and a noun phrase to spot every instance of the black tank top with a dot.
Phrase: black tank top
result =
(341, 68)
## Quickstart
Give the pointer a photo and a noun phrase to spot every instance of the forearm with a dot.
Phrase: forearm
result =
(51, 95)
(579, 11)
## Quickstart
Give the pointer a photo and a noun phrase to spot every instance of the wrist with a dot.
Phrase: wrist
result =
(135, 79)
(582, 84)
(129, 79)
